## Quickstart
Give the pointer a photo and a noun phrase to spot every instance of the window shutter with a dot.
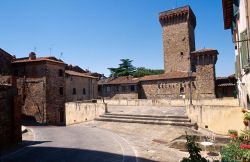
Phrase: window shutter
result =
(244, 49)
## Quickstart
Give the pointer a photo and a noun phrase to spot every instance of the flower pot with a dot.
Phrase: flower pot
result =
(245, 122)
(233, 136)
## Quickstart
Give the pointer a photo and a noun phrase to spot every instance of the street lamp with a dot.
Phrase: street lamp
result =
(102, 81)
(190, 86)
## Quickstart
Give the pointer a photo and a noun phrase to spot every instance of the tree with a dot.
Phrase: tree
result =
(125, 69)
(142, 71)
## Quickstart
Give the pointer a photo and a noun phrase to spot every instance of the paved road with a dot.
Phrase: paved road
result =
(73, 144)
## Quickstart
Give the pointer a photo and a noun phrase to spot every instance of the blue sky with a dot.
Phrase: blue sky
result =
(96, 34)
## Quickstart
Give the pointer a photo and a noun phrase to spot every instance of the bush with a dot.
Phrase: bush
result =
(193, 150)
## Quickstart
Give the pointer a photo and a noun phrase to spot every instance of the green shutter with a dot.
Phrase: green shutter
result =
(244, 49)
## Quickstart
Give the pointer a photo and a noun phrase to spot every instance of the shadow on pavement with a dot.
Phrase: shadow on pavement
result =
(53, 154)
(19, 146)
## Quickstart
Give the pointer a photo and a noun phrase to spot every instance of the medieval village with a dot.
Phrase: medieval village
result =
(52, 110)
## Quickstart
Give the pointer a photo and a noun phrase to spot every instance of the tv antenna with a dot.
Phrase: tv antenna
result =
(50, 49)
(61, 54)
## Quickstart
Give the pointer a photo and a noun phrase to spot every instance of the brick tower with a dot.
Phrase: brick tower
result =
(205, 60)
(178, 38)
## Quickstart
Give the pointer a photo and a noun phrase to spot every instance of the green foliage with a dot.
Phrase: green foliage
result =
(142, 71)
(247, 116)
(194, 151)
(232, 132)
(232, 152)
(125, 69)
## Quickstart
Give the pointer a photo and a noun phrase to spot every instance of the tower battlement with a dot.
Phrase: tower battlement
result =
(182, 14)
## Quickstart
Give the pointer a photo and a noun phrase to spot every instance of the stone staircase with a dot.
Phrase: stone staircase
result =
(146, 119)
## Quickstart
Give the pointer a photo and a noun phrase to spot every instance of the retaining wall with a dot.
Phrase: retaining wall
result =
(167, 103)
(78, 112)
(218, 119)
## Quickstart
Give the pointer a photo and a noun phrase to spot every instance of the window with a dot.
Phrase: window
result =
(123, 88)
(61, 91)
(244, 50)
(181, 89)
(60, 73)
(74, 91)
(83, 91)
(108, 89)
(132, 88)
(182, 53)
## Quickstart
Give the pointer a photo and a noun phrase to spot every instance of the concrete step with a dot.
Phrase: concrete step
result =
(141, 121)
(146, 118)
(150, 116)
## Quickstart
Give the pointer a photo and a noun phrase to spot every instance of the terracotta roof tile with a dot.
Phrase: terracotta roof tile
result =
(69, 72)
(120, 80)
(205, 51)
(38, 59)
(170, 75)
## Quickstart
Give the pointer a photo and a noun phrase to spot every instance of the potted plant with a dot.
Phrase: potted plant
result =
(233, 133)
(247, 116)
(245, 121)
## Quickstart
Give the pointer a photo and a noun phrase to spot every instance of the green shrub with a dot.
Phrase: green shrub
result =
(193, 150)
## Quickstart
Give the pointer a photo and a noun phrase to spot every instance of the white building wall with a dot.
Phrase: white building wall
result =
(244, 82)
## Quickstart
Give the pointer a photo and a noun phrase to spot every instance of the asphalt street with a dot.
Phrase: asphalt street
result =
(77, 143)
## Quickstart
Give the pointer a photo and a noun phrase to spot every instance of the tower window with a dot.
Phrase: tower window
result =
(61, 91)
(83, 91)
(182, 53)
(74, 91)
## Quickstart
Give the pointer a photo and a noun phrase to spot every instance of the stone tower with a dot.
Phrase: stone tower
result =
(178, 38)
(205, 60)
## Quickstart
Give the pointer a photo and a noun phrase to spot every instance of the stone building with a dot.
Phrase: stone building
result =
(225, 86)
(187, 70)
(119, 88)
(45, 85)
(41, 83)
(80, 86)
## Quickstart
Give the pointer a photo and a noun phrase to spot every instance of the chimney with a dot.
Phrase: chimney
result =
(32, 56)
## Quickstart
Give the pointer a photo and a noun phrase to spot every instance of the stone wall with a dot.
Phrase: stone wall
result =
(170, 89)
(218, 119)
(179, 35)
(10, 116)
(205, 78)
(128, 96)
(33, 94)
(78, 112)
(169, 103)
(5, 63)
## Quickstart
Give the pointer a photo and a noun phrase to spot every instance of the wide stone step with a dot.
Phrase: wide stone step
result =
(146, 118)
(156, 122)
(150, 116)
